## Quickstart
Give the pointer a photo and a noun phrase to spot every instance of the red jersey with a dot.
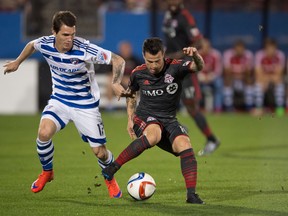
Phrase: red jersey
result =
(213, 63)
(159, 93)
(269, 63)
(238, 64)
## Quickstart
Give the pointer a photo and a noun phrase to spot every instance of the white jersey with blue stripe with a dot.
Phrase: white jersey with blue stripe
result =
(73, 74)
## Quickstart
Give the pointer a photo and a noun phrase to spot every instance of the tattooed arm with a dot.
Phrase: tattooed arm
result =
(197, 63)
(131, 106)
(118, 65)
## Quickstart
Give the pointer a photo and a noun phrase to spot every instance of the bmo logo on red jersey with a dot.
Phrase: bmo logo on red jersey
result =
(153, 93)
(171, 89)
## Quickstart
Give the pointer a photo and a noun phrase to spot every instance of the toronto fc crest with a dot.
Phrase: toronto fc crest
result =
(168, 78)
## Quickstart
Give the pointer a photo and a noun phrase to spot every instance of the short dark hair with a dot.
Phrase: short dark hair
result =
(153, 46)
(63, 17)
(239, 43)
(270, 41)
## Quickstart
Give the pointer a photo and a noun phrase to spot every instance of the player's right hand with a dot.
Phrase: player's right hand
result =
(10, 66)
(190, 51)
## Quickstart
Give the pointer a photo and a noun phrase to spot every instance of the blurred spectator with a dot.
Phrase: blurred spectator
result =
(210, 77)
(138, 6)
(269, 69)
(125, 50)
(9, 5)
(34, 17)
(238, 79)
(111, 5)
(286, 85)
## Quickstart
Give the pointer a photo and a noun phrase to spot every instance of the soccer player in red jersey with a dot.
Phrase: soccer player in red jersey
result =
(269, 69)
(180, 30)
(210, 77)
(154, 121)
(238, 77)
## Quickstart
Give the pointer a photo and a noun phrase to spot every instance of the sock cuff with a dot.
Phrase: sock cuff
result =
(108, 161)
(42, 143)
(186, 153)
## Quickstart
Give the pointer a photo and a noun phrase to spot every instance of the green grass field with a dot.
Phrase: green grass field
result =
(248, 175)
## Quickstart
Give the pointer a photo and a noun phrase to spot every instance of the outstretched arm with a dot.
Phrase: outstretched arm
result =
(131, 106)
(118, 65)
(198, 62)
(12, 66)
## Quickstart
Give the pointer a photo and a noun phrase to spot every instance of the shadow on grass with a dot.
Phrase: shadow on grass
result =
(240, 153)
(253, 157)
(172, 208)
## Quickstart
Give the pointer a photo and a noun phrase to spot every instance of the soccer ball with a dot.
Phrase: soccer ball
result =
(141, 186)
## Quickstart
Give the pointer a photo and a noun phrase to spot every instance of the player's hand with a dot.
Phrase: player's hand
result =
(130, 129)
(10, 66)
(198, 62)
(190, 51)
(119, 91)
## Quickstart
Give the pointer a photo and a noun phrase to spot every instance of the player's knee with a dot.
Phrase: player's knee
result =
(181, 143)
(153, 137)
(153, 134)
(44, 134)
(46, 130)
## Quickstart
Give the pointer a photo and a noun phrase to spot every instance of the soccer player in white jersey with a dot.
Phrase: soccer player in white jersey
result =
(75, 95)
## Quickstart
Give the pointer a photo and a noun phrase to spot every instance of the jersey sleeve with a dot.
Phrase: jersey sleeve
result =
(97, 55)
(218, 62)
(258, 58)
(37, 42)
(226, 58)
(183, 67)
(250, 59)
(281, 57)
(133, 85)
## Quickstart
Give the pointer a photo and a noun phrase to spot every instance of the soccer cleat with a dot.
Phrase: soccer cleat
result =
(43, 178)
(110, 170)
(194, 199)
(113, 188)
(209, 148)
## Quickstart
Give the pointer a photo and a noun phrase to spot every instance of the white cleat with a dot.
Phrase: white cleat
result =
(209, 148)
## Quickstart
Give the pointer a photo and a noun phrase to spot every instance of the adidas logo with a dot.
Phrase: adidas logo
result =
(146, 82)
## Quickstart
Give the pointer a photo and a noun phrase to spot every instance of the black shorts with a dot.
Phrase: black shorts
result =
(191, 88)
(170, 130)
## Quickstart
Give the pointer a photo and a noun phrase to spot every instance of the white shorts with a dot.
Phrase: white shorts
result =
(87, 121)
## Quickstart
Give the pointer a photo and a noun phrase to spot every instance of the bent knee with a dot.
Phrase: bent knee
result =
(45, 134)
(46, 130)
(153, 134)
(181, 143)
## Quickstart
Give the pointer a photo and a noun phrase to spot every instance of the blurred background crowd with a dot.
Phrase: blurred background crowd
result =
(242, 39)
